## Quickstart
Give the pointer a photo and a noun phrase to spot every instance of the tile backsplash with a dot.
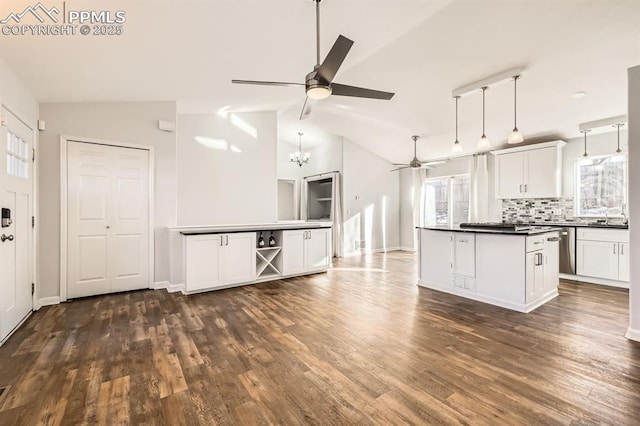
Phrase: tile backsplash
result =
(537, 210)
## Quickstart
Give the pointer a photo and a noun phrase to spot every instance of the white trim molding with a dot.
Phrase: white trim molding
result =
(46, 301)
(633, 334)
(64, 140)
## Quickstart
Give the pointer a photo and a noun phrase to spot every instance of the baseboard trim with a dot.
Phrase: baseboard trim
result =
(46, 301)
(174, 288)
(514, 306)
(410, 249)
(592, 280)
(372, 251)
(160, 285)
(633, 334)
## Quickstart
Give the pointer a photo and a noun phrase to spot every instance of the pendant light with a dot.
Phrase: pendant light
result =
(586, 160)
(620, 156)
(456, 145)
(515, 136)
(484, 142)
(299, 157)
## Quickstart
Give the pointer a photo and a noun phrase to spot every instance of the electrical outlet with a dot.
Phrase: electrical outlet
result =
(557, 212)
(532, 211)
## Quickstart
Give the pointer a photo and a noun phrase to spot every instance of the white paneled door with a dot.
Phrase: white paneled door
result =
(108, 219)
(16, 232)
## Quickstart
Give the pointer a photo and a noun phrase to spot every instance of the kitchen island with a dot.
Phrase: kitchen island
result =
(514, 269)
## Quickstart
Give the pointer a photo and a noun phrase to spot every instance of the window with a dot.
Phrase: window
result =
(17, 156)
(446, 200)
(601, 186)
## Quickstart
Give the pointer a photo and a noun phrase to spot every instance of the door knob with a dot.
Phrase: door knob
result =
(4, 237)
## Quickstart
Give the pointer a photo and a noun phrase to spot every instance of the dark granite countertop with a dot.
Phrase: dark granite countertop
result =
(534, 230)
(582, 225)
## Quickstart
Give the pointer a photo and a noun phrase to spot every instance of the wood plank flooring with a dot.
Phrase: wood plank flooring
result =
(361, 344)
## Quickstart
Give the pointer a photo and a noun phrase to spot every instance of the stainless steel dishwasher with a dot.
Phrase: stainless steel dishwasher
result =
(567, 250)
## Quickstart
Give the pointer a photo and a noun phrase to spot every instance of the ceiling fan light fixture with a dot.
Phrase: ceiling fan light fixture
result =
(319, 92)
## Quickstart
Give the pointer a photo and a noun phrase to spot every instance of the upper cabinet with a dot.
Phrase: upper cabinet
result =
(532, 171)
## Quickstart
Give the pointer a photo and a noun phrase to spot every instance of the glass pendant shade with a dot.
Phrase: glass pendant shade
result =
(515, 136)
(484, 142)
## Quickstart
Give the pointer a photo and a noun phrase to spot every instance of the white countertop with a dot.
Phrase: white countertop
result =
(273, 226)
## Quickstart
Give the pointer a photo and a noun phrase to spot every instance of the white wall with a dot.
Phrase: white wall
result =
(601, 144)
(219, 185)
(130, 122)
(634, 201)
(407, 234)
(371, 205)
(15, 96)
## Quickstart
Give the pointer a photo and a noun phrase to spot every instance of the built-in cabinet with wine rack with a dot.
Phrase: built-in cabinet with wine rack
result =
(217, 257)
(269, 255)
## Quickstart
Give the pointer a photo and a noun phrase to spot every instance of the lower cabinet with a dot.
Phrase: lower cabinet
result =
(603, 253)
(448, 258)
(542, 265)
(306, 251)
(534, 276)
(218, 260)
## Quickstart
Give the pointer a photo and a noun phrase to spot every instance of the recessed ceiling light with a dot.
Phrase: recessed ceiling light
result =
(579, 95)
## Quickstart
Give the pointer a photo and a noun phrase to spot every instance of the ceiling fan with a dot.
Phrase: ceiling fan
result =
(319, 82)
(415, 163)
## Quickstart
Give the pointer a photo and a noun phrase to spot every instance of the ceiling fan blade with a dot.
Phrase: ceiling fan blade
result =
(307, 107)
(359, 92)
(334, 59)
(399, 168)
(266, 83)
(399, 164)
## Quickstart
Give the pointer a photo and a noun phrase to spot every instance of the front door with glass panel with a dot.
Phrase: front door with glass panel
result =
(108, 248)
(16, 232)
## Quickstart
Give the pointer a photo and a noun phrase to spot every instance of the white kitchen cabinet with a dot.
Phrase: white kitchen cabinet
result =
(534, 279)
(306, 251)
(529, 171)
(435, 258)
(318, 250)
(551, 263)
(623, 262)
(464, 254)
(218, 260)
(603, 253)
(509, 171)
(598, 259)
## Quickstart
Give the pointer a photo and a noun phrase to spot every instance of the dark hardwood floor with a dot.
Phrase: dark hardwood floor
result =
(361, 344)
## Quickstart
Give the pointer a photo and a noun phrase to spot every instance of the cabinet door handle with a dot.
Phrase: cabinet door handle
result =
(622, 249)
(227, 239)
(614, 248)
(221, 240)
(526, 187)
(521, 188)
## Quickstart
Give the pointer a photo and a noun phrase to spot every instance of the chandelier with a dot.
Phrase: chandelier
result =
(299, 156)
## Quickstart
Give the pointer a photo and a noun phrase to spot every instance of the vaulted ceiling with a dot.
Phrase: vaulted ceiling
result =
(189, 50)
